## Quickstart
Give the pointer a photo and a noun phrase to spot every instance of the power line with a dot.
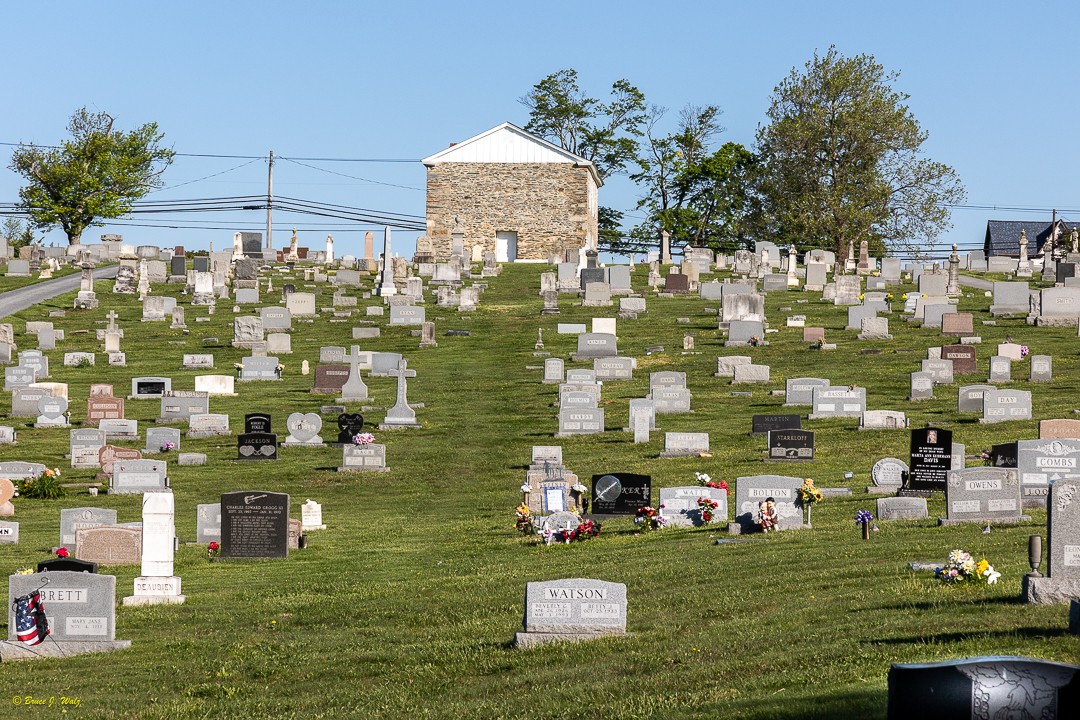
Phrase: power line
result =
(353, 177)
(253, 157)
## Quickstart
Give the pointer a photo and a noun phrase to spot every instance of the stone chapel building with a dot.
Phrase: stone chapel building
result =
(514, 193)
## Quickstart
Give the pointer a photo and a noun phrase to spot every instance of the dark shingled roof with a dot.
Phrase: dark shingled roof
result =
(1003, 236)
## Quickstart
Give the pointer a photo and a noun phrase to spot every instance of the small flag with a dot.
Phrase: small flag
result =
(31, 625)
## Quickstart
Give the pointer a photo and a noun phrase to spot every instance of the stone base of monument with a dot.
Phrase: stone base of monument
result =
(12, 650)
(399, 426)
(737, 528)
(880, 490)
(290, 441)
(535, 639)
(995, 521)
(156, 591)
(1050, 591)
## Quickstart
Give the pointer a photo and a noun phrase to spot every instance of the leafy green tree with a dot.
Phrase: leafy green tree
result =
(605, 133)
(841, 161)
(17, 232)
(665, 163)
(96, 174)
(700, 196)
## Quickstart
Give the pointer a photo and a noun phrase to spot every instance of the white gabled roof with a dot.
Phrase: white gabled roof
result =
(507, 143)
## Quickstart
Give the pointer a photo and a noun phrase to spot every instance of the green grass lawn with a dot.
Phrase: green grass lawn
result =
(407, 604)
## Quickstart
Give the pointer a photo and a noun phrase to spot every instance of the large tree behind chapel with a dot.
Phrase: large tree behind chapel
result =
(95, 174)
(841, 161)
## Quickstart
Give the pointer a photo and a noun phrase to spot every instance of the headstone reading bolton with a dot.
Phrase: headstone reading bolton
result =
(254, 524)
(750, 491)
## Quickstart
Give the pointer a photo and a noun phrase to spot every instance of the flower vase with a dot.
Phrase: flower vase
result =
(865, 531)
(808, 506)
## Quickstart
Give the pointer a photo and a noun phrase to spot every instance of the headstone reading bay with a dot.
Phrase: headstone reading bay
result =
(254, 524)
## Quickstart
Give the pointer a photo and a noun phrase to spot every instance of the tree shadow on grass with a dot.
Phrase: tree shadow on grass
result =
(1033, 633)
(860, 703)
(928, 605)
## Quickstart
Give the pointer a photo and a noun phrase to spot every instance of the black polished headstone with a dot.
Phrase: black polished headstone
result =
(761, 424)
(150, 387)
(68, 564)
(349, 424)
(256, 446)
(931, 459)
(1005, 455)
(254, 524)
(257, 423)
(791, 444)
(984, 687)
(1065, 270)
(620, 493)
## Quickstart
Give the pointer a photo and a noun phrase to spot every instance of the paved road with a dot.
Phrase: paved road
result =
(977, 283)
(15, 301)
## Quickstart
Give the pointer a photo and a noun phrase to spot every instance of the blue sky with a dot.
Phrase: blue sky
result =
(994, 85)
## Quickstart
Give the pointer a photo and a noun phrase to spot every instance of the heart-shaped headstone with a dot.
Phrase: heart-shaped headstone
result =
(350, 422)
(52, 407)
(268, 450)
(304, 427)
(7, 490)
(246, 450)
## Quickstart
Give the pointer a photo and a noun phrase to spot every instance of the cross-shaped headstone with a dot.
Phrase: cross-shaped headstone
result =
(401, 414)
(112, 319)
(354, 388)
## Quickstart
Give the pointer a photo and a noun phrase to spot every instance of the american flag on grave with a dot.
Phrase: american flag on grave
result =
(31, 625)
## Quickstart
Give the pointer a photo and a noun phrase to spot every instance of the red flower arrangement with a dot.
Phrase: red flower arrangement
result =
(708, 508)
(62, 552)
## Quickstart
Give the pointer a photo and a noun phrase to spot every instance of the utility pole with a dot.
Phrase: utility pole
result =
(270, 203)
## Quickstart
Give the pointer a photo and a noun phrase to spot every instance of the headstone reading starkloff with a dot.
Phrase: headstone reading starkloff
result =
(254, 524)
(572, 610)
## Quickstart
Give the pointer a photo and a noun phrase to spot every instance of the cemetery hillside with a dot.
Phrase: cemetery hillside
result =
(308, 483)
